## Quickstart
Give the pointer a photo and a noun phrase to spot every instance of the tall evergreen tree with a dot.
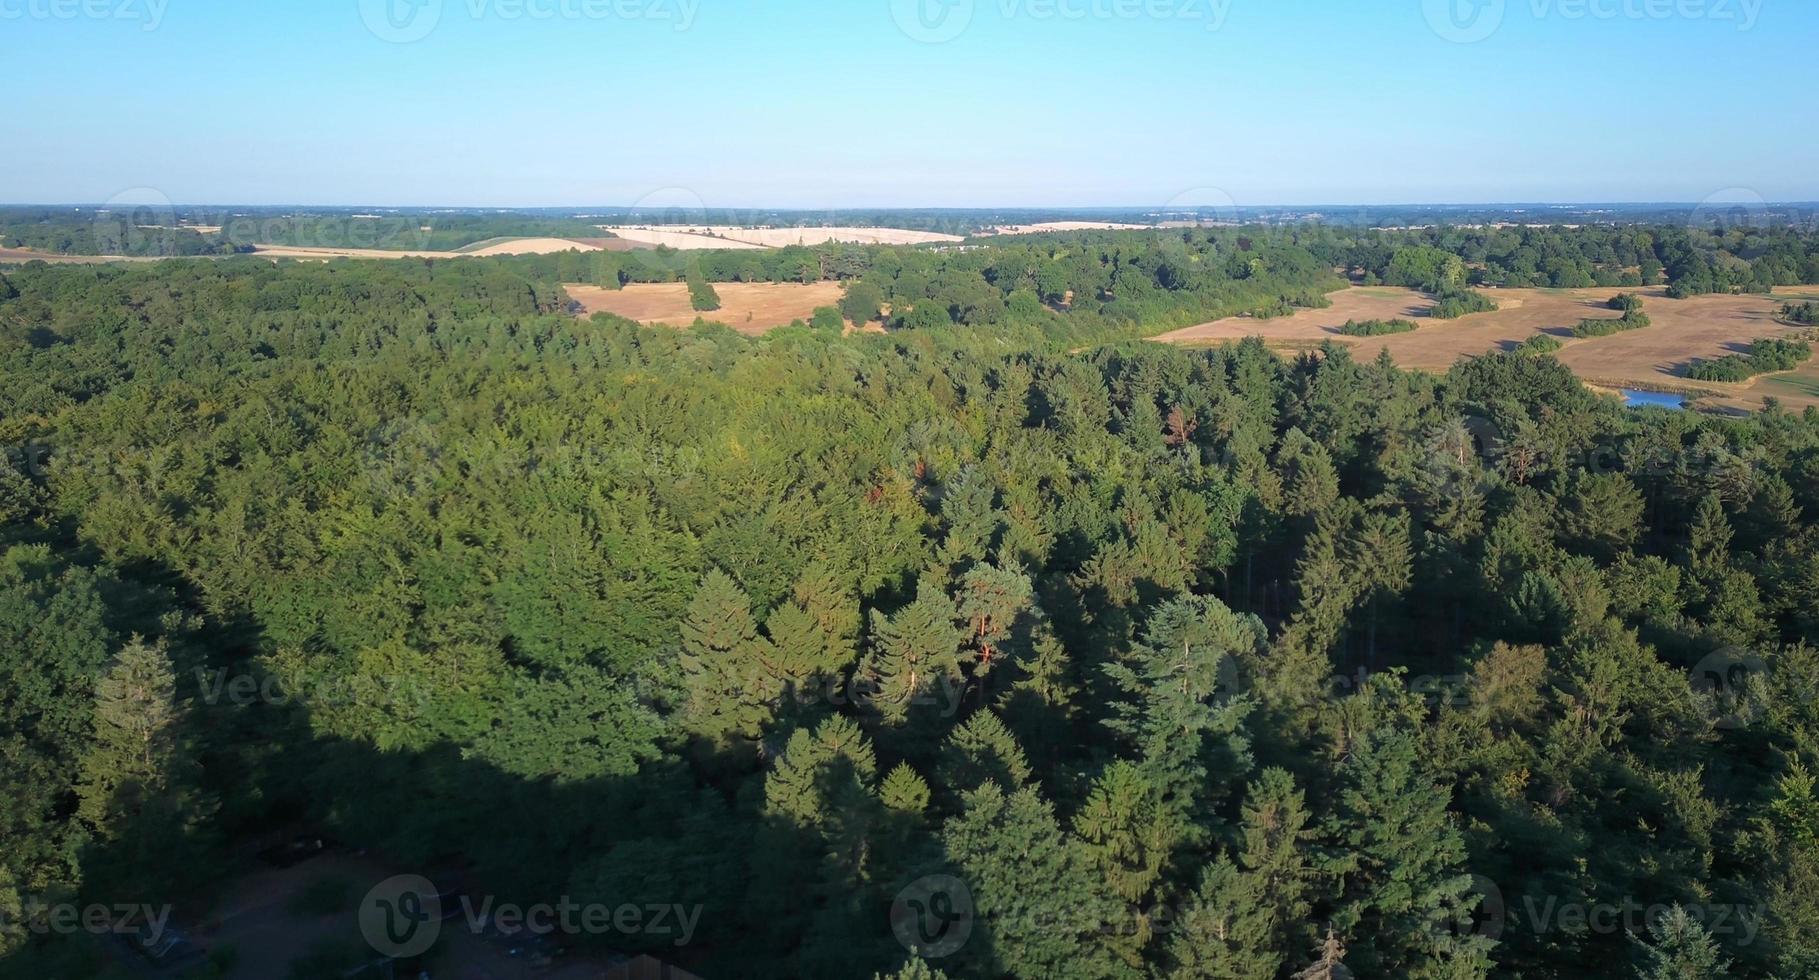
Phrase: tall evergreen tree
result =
(1680, 949)
(913, 648)
(1249, 915)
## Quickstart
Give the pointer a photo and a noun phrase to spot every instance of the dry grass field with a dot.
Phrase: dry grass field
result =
(23, 255)
(748, 307)
(1656, 357)
(506, 246)
(1043, 226)
(731, 236)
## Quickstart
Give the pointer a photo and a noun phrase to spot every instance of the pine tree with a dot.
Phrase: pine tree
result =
(1249, 914)
(1681, 950)
(1310, 483)
(993, 602)
(12, 915)
(1128, 840)
(913, 648)
(817, 769)
(1406, 860)
(136, 739)
(1382, 566)
(729, 680)
(916, 969)
(802, 648)
(973, 523)
(1035, 895)
(904, 791)
(982, 749)
(1709, 550)
(817, 844)
(1180, 708)
(1329, 960)
(829, 599)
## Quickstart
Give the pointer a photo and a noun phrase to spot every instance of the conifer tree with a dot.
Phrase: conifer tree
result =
(1406, 861)
(913, 648)
(135, 748)
(729, 680)
(993, 602)
(1128, 841)
(1036, 898)
(1249, 914)
(982, 750)
(1679, 948)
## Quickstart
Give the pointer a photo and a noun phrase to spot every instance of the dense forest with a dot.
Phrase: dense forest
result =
(1174, 663)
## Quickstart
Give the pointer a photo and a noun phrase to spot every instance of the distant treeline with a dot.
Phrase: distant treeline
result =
(1126, 282)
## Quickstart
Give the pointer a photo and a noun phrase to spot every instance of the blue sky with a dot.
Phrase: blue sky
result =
(840, 103)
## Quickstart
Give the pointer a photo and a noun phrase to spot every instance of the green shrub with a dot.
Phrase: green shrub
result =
(1806, 313)
(1540, 344)
(1376, 328)
(1456, 303)
(828, 320)
(1627, 302)
(701, 295)
(1633, 320)
(1764, 357)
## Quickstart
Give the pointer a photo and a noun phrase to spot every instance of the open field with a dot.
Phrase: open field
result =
(730, 236)
(748, 307)
(503, 246)
(1044, 226)
(22, 255)
(1656, 357)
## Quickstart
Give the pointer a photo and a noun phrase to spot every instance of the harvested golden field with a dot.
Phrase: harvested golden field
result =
(736, 237)
(1656, 357)
(1039, 227)
(748, 307)
(23, 255)
(508, 246)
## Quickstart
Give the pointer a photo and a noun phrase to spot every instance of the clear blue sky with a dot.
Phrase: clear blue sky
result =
(837, 103)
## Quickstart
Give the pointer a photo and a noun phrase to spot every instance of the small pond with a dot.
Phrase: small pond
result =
(1637, 398)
